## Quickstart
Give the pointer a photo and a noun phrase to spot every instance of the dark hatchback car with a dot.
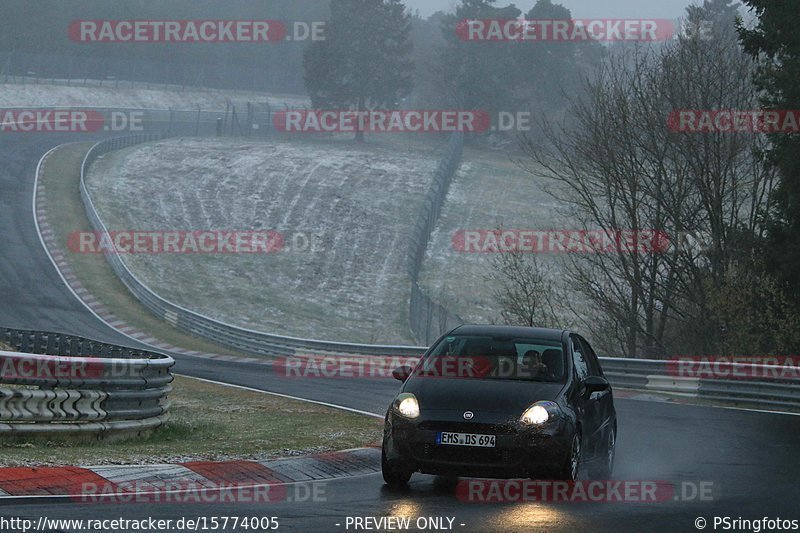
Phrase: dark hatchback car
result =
(502, 402)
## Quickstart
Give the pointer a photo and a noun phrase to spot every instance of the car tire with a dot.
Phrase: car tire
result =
(572, 464)
(605, 464)
(393, 477)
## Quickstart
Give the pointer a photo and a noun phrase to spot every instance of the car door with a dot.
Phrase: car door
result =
(604, 401)
(588, 404)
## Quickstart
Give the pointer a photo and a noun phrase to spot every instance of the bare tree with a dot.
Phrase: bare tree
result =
(522, 290)
(618, 166)
(728, 190)
(598, 166)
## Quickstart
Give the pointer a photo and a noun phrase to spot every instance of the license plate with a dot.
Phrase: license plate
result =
(465, 439)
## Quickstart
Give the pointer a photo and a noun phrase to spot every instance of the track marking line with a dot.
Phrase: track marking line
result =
(287, 396)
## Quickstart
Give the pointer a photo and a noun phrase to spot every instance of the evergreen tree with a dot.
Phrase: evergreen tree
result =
(480, 75)
(775, 43)
(528, 75)
(363, 63)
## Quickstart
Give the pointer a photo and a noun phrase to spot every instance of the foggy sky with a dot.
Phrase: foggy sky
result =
(580, 8)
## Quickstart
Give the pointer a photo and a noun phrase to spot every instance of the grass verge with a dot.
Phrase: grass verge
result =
(211, 422)
(66, 214)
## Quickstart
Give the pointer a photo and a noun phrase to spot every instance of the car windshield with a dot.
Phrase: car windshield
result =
(502, 358)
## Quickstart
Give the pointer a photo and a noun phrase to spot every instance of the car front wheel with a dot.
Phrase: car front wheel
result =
(393, 477)
(605, 463)
(569, 470)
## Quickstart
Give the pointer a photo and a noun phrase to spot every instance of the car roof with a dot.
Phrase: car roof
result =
(510, 331)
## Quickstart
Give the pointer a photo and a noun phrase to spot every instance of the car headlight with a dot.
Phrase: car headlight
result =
(406, 405)
(540, 414)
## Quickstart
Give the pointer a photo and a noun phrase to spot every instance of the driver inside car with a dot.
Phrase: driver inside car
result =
(532, 366)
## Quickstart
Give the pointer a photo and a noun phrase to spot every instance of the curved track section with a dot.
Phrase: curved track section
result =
(749, 457)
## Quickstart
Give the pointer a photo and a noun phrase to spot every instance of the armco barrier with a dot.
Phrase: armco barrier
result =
(200, 325)
(56, 384)
(765, 391)
(635, 374)
(776, 388)
(427, 318)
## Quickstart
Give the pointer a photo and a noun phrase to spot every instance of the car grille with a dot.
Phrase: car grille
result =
(464, 455)
(468, 427)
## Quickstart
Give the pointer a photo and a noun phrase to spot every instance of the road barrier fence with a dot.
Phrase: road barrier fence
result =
(57, 384)
(429, 319)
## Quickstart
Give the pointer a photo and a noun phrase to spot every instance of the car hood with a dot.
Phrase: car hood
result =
(488, 395)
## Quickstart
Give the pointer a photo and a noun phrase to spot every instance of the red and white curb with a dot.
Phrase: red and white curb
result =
(73, 481)
(50, 243)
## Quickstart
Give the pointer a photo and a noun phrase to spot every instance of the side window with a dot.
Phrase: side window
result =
(581, 368)
(591, 359)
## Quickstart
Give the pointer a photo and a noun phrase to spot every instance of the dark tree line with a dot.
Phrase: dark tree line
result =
(34, 36)
(378, 54)
(364, 62)
(605, 144)
(617, 165)
(774, 43)
(602, 139)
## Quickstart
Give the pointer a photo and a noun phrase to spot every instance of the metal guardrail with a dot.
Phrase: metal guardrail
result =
(746, 385)
(636, 374)
(762, 386)
(194, 323)
(56, 384)
(427, 318)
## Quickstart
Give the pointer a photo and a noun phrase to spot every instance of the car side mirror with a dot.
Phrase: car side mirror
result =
(402, 373)
(596, 384)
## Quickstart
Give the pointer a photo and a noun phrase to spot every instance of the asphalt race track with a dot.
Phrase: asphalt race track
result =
(750, 458)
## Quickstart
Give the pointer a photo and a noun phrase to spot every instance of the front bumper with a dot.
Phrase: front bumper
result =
(519, 451)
